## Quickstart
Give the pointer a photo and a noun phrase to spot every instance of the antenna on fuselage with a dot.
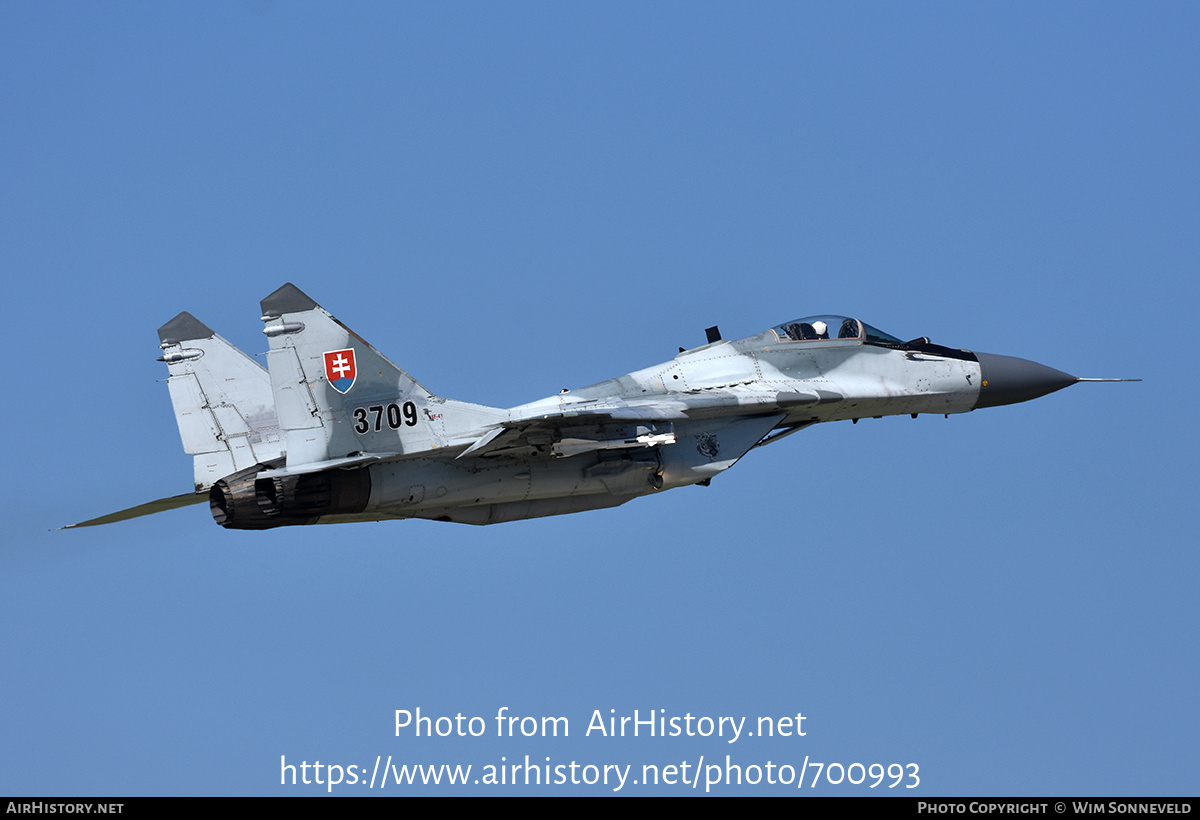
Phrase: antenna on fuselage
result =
(713, 333)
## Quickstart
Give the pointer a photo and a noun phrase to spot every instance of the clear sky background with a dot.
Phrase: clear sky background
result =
(512, 198)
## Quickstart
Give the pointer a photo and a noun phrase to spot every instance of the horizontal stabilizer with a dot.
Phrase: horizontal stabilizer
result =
(161, 505)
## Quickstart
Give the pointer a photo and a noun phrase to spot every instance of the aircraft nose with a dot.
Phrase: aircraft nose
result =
(1008, 380)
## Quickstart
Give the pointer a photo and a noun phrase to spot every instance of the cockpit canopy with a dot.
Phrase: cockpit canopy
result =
(827, 326)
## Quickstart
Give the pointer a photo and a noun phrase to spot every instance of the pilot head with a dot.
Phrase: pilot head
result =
(821, 328)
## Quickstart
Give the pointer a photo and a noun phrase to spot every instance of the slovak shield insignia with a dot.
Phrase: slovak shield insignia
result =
(340, 369)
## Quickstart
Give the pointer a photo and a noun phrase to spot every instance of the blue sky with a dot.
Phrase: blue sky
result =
(509, 199)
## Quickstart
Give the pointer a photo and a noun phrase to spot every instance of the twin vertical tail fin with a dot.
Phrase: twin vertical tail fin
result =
(327, 398)
(266, 438)
(222, 399)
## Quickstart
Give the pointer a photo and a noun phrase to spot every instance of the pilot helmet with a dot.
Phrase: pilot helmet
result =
(820, 327)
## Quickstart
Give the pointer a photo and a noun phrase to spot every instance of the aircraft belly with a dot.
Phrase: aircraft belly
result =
(407, 488)
(521, 510)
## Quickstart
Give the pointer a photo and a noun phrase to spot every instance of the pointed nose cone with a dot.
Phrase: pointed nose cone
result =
(1008, 380)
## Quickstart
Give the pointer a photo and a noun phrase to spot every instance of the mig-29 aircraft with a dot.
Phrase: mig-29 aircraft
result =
(331, 431)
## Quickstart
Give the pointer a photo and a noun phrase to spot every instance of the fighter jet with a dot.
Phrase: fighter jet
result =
(331, 431)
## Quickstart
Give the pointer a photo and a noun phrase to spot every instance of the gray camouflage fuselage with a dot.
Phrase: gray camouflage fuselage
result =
(333, 432)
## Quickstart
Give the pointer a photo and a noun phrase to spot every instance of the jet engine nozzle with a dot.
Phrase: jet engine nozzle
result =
(246, 502)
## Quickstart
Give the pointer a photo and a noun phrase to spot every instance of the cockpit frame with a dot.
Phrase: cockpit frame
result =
(832, 328)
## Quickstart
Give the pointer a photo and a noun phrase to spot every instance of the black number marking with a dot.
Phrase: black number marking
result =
(397, 416)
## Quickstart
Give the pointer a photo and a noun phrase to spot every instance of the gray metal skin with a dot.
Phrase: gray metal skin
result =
(287, 446)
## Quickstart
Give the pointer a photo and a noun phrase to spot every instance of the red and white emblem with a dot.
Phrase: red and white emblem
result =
(340, 369)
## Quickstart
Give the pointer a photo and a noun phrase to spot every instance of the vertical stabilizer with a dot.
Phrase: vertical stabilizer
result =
(335, 394)
(222, 399)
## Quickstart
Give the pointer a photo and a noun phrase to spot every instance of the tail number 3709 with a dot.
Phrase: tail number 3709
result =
(372, 418)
